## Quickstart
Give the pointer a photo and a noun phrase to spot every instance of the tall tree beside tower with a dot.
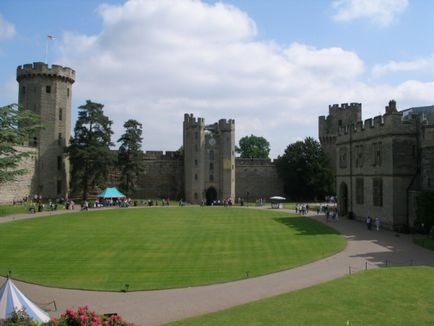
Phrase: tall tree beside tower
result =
(89, 151)
(130, 156)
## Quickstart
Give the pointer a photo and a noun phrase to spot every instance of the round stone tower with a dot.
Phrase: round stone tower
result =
(47, 92)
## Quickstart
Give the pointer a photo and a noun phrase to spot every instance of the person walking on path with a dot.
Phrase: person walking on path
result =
(369, 223)
(377, 223)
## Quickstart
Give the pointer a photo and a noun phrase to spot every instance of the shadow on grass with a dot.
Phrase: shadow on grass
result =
(305, 226)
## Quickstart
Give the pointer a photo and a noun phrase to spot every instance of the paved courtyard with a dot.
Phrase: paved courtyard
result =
(365, 249)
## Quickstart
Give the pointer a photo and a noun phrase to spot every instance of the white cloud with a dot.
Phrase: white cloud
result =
(381, 12)
(7, 30)
(417, 65)
(155, 60)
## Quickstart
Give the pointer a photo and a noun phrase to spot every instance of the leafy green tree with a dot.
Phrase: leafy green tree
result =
(89, 151)
(130, 156)
(305, 170)
(16, 127)
(253, 147)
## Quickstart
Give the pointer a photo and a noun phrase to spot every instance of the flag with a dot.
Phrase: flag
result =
(51, 37)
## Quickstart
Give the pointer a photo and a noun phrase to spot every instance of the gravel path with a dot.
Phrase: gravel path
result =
(365, 249)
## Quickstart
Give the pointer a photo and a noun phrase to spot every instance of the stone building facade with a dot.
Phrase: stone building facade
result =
(381, 164)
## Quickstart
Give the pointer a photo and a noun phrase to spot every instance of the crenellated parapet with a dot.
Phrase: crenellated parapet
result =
(190, 120)
(161, 155)
(253, 161)
(379, 126)
(226, 125)
(339, 116)
(40, 69)
(335, 108)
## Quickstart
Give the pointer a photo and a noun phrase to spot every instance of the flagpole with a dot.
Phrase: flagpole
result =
(46, 50)
(49, 38)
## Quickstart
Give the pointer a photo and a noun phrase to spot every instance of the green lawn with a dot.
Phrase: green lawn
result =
(389, 296)
(12, 209)
(151, 248)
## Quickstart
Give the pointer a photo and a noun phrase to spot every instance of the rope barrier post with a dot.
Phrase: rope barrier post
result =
(387, 263)
(366, 265)
(349, 270)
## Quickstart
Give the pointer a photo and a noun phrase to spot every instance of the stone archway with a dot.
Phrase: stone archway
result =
(343, 199)
(211, 195)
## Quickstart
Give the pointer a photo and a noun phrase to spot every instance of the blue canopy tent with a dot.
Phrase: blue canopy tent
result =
(111, 193)
(12, 299)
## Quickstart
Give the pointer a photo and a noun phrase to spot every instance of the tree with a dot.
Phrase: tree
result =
(16, 127)
(130, 156)
(89, 151)
(253, 147)
(305, 170)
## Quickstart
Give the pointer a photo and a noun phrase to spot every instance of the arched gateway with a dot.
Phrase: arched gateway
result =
(211, 195)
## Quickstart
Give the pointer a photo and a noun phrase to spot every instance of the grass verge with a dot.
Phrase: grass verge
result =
(389, 296)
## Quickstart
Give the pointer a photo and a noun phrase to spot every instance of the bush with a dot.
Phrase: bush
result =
(18, 318)
(85, 317)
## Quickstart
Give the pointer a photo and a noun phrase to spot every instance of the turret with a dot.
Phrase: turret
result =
(47, 92)
(340, 116)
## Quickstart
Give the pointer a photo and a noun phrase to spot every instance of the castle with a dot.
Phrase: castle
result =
(208, 170)
(380, 164)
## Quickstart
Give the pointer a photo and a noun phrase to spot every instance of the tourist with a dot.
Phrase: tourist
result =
(369, 223)
(377, 223)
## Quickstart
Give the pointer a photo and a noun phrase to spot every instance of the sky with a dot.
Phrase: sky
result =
(274, 66)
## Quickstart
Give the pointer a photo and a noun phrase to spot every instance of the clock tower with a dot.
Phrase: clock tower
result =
(209, 160)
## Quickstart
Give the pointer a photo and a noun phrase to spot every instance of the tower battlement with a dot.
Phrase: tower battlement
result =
(191, 120)
(377, 126)
(344, 106)
(226, 125)
(42, 69)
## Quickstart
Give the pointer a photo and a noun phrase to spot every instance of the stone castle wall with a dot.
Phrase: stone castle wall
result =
(164, 177)
(22, 186)
(258, 178)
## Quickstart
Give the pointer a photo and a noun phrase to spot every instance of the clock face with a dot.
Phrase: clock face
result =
(211, 141)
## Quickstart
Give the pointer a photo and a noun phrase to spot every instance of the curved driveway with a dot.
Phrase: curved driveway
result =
(365, 249)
